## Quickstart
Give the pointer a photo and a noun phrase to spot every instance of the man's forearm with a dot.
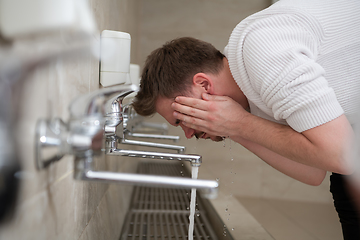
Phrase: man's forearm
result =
(303, 173)
(326, 147)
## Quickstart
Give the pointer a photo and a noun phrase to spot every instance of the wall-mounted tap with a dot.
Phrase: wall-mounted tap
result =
(119, 118)
(82, 137)
(84, 131)
(133, 124)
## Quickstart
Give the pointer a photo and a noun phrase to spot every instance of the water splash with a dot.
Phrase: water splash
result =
(195, 171)
(224, 230)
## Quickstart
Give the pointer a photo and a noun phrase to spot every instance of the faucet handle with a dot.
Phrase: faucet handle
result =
(48, 140)
(54, 139)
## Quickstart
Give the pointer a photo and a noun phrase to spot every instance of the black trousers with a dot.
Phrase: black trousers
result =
(345, 206)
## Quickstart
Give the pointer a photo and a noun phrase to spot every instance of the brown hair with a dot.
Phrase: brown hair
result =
(168, 71)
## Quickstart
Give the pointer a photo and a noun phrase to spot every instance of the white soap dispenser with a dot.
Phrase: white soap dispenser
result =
(114, 57)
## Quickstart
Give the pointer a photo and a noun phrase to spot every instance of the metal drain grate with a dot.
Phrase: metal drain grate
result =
(163, 213)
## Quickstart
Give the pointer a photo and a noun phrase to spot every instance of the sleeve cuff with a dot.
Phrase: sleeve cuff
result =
(315, 113)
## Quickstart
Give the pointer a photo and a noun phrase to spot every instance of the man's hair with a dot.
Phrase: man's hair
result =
(169, 70)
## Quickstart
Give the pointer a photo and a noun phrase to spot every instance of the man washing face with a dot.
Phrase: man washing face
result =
(286, 90)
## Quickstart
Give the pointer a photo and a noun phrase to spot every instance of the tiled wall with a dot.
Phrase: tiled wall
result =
(239, 171)
(51, 204)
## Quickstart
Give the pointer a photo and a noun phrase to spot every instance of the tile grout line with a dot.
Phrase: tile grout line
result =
(93, 213)
(61, 178)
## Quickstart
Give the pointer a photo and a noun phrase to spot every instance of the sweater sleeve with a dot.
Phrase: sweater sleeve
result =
(279, 55)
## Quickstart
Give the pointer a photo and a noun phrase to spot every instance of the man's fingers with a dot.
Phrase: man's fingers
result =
(209, 97)
(186, 110)
(191, 102)
(191, 122)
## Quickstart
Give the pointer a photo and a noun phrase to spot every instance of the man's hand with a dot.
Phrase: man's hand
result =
(215, 115)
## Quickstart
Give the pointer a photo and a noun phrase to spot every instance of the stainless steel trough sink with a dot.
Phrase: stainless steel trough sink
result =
(163, 213)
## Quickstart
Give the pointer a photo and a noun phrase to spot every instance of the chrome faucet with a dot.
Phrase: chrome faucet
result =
(133, 123)
(119, 118)
(83, 135)
(84, 131)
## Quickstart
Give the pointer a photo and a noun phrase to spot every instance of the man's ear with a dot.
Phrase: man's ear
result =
(204, 81)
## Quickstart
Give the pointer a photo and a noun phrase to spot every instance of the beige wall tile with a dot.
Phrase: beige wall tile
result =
(211, 21)
(51, 204)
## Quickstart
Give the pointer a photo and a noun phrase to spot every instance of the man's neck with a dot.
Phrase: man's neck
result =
(232, 89)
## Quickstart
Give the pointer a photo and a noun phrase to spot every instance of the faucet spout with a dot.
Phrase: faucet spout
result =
(195, 160)
(180, 149)
(152, 136)
(84, 171)
(209, 186)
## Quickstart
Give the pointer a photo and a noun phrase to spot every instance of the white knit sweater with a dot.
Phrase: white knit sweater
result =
(298, 61)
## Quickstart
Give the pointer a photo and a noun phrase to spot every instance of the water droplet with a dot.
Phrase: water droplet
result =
(232, 159)
(226, 209)
(198, 214)
(232, 229)
(217, 179)
(232, 182)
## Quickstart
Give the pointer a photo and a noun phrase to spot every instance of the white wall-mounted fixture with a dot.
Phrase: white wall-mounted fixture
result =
(134, 77)
(115, 58)
(135, 74)
(19, 18)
